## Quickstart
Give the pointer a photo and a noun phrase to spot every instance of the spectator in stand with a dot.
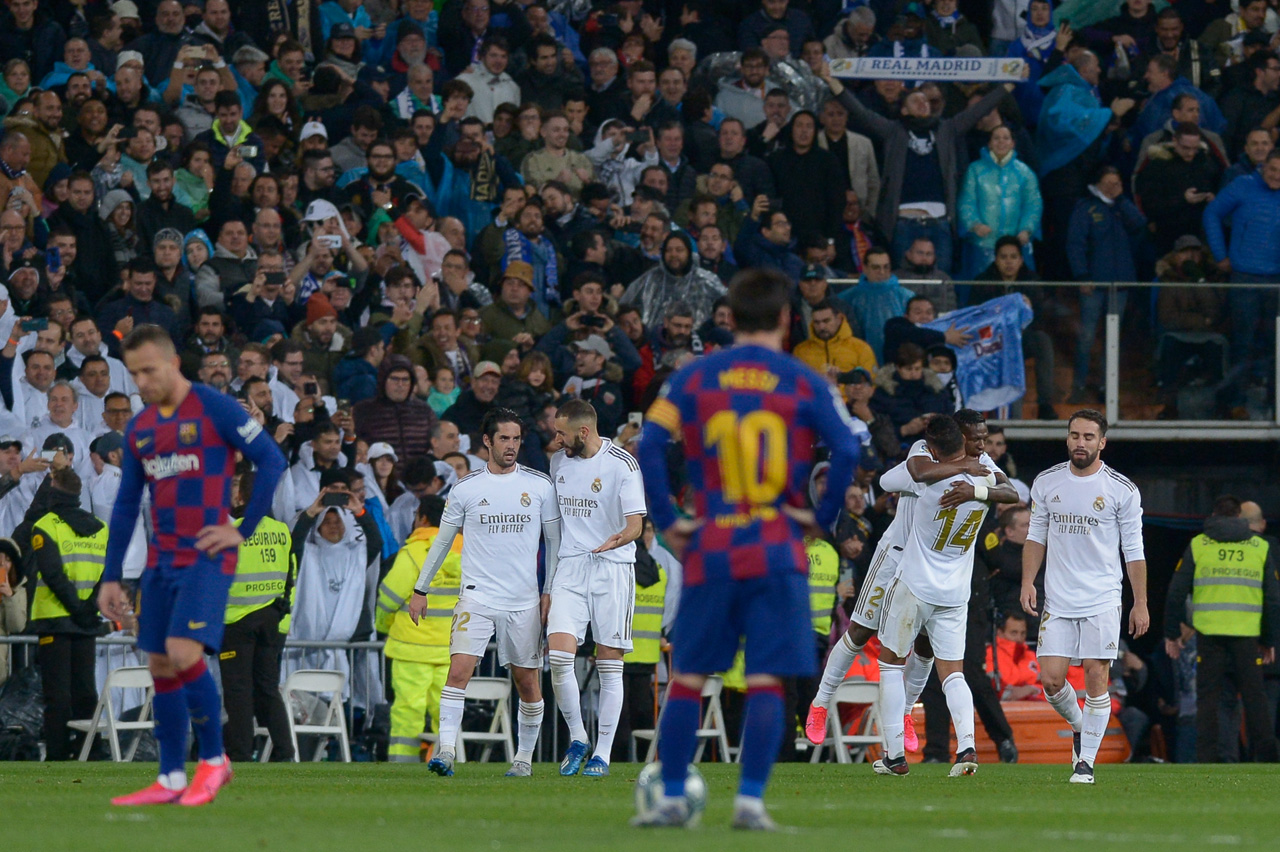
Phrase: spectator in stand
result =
(910, 328)
(677, 276)
(832, 348)
(514, 316)
(1257, 145)
(1102, 240)
(712, 254)
(810, 180)
(395, 415)
(853, 151)
(474, 402)
(1166, 87)
(1252, 204)
(1185, 109)
(590, 382)
(1253, 104)
(918, 182)
(1000, 197)
(356, 376)
(525, 243)
(765, 240)
(1177, 185)
(920, 265)
(876, 298)
(908, 393)
(554, 161)
(489, 81)
(751, 173)
(1192, 321)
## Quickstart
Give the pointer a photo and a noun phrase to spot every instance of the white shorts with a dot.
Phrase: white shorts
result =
(519, 634)
(870, 604)
(1094, 637)
(905, 616)
(590, 590)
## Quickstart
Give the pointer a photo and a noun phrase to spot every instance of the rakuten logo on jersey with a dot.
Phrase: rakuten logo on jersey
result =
(174, 464)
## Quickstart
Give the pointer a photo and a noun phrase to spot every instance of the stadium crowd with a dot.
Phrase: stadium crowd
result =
(373, 222)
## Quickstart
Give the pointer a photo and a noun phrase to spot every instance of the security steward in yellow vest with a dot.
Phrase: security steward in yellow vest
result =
(419, 653)
(1230, 574)
(69, 546)
(257, 620)
(640, 664)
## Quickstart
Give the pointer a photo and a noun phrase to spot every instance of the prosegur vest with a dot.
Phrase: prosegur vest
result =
(824, 573)
(83, 558)
(428, 640)
(1226, 598)
(646, 624)
(263, 565)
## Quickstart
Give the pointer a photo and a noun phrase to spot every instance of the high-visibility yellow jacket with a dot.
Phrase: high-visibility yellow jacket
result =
(428, 640)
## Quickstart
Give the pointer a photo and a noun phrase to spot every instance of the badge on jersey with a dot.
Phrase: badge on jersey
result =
(524, 500)
(37, 541)
(189, 432)
(1099, 504)
(595, 486)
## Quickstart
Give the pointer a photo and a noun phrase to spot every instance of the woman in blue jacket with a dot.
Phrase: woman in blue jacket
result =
(1000, 197)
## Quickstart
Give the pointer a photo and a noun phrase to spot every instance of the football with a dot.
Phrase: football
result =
(649, 788)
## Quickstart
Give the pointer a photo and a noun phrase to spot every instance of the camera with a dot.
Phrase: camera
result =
(277, 278)
(39, 324)
(593, 321)
(247, 152)
(336, 499)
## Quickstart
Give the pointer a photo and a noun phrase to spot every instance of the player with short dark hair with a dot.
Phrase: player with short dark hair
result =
(183, 447)
(750, 417)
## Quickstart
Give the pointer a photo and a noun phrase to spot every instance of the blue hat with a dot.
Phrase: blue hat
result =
(267, 329)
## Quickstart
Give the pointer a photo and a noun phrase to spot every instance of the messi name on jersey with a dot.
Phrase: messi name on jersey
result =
(173, 464)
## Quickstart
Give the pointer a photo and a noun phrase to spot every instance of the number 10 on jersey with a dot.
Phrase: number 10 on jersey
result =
(752, 451)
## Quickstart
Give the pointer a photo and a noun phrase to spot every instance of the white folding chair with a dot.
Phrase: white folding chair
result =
(712, 728)
(332, 724)
(852, 748)
(498, 690)
(105, 715)
(258, 731)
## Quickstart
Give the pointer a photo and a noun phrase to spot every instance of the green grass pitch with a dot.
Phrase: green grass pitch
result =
(388, 807)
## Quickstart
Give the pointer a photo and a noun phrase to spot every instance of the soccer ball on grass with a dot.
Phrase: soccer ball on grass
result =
(649, 790)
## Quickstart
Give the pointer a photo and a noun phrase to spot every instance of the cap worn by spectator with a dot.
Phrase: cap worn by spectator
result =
(21, 265)
(58, 441)
(127, 56)
(365, 339)
(813, 272)
(484, 368)
(856, 376)
(111, 201)
(126, 9)
(520, 270)
(312, 128)
(107, 443)
(411, 198)
(248, 55)
(595, 343)
(373, 74)
(8, 441)
(267, 329)
(172, 235)
(342, 30)
(320, 210)
(407, 29)
(381, 448)
(941, 351)
(1187, 241)
(319, 307)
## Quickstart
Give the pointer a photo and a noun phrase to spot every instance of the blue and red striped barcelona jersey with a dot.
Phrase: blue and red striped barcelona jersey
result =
(187, 460)
(749, 418)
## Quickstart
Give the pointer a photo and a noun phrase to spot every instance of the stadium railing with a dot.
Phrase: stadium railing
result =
(1262, 429)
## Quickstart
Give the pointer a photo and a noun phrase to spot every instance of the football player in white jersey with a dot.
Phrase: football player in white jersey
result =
(506, 509)
(931, 593)
(602, 508)
(866, 616)
(1085, 516)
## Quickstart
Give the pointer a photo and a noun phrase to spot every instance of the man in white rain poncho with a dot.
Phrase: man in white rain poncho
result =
(338, 554)
(678, 276)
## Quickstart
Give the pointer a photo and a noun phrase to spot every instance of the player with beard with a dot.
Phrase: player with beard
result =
(1084, 516)
(506, 509)
(381, 187)
(601, 496)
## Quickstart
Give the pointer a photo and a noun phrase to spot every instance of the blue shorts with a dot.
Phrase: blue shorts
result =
(184, 603)
(771, 613)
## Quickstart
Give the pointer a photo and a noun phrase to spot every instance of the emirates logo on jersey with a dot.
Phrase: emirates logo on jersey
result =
(1099, 504)
(596, 486)
(524, 500)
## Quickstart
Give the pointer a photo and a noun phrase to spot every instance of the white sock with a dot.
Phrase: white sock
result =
(1064, 701)
(452, 700)
(175, 780)
(748, 803)
(838, 662)
(915, 676)
(564, 682)
(1097, 713)
(530, 725)
(217, 761)
(960, 703)
(610, 706)
(893, 704)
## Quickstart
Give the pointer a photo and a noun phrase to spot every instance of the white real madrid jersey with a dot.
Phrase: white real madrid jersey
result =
(596, 495)
(899, 529)
(501, 516)
(937, 561)
(1086, 524)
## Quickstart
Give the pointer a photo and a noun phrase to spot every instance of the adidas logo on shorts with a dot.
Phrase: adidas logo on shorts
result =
(1111, 646)
(560, 480)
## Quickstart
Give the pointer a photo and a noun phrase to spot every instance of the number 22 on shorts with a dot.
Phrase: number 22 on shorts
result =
(459, 624)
